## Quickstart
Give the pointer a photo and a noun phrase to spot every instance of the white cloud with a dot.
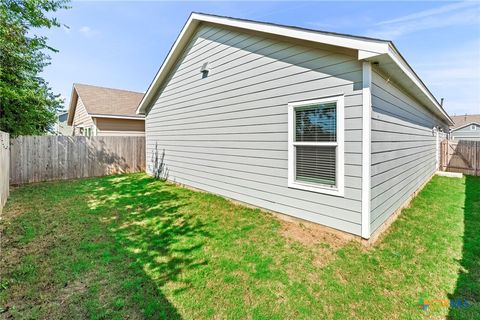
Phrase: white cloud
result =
(431, 12)
(464, 13)
(87, 31)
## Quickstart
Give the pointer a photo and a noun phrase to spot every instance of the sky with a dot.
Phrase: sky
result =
(122, 44)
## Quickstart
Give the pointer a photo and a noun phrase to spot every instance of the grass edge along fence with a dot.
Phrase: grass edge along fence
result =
(48, 158)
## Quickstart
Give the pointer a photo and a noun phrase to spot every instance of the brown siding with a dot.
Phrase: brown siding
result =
(120, 127)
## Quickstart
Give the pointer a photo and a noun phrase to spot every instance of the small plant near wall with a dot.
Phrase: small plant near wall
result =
(159, 170)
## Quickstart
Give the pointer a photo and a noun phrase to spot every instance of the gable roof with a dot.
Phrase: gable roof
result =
(105, 102)
(462, 121)
(369, 49)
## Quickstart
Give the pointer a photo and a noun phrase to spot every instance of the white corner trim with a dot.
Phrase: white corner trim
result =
(437, 148)
(366, 147)
(339, 190)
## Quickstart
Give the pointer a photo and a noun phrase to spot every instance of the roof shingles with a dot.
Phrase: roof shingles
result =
(461, 121)
(108, 101)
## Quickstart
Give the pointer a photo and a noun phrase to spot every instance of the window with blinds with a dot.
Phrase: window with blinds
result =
(315, 150)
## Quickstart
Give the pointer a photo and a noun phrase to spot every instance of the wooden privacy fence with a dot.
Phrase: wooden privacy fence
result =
(4, 168)
(45, 158)
(461, 156)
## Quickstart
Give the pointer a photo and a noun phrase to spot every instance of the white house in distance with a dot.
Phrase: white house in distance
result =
(330, 128)
(99, 111)
(61, 127)
(467, 127)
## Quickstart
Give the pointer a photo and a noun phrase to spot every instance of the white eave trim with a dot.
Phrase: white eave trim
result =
(405, 67)
(174, 52)
(371, 47)
(367, 49)
(112, 116)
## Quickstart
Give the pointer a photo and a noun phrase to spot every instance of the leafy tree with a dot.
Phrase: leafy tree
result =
(27, 104)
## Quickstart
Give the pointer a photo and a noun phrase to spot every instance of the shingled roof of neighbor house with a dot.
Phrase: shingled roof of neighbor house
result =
(461, 121)
(105, 102)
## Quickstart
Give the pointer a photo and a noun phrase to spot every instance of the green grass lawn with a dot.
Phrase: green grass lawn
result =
(133, 247)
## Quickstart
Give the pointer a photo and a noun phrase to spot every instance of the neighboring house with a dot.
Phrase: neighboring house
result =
(466, 127)
(61, 127)
(326, 127)
(98, 111)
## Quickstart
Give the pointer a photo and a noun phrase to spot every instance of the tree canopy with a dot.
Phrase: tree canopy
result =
(27, 104)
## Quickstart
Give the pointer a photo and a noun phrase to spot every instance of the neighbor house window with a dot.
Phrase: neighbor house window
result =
(473, 127)
(316, 145)
(87, 132)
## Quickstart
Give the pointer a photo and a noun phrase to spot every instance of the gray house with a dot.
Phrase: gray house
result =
(61, 127)
(329, 128)
(466, 127)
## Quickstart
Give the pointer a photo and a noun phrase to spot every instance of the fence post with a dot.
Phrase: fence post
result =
(475, 158)
(444, 155)
(4, 168)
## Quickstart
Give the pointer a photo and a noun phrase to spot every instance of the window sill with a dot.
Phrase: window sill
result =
(317, 188)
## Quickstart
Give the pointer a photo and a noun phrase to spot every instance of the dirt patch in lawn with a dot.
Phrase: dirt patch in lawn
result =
(324, 241)
(311, 234)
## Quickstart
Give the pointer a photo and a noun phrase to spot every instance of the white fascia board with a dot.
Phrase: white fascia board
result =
(404, 66)
(108, 116)
(71, 107)
(371, 46)
(169, 61)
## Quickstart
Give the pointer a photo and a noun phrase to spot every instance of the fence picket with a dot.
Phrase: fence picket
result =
(46, 158)
(461, 156)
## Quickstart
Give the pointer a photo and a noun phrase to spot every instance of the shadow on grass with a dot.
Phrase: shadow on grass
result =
(466, 297)
(145, 218)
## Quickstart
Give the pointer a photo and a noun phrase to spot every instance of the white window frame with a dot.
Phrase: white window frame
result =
(87, 132)
(473, 127)
(339, 189)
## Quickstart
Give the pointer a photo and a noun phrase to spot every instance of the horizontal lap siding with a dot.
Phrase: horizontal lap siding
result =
(467, 133)
(81, 117)
(227, 133)
(120, 127)
(403, 148)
